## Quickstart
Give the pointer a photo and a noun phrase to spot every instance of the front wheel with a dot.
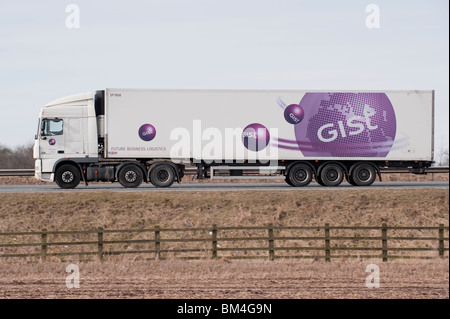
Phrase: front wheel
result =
(67, 176)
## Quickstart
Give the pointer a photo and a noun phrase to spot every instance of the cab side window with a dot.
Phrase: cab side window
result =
(51, 127)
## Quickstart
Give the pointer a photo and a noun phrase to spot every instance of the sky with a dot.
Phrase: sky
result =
(212, 44)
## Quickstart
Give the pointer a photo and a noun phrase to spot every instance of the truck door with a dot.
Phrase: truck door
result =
(52, 138)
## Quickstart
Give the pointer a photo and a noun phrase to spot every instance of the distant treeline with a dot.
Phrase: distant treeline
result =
(19, 157)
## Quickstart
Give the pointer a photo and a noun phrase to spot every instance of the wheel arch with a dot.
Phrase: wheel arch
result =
(66, 161)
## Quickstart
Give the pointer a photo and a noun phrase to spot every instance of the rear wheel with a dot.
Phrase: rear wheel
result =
(299, 175)
(162, 175)
(67, 176)
(351, 181)
(364, 174)
(288, 181)
(331, 175)
(130, 176)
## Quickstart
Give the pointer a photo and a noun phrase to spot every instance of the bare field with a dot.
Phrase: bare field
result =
(223, 280)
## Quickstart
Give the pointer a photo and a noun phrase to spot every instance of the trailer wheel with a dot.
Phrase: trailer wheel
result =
(162, 176)
(299, 175)
(130, 176)
(350, 180)
(288, 181)
(364, 174)
(331, 175)
(319, 180)
(67, 176)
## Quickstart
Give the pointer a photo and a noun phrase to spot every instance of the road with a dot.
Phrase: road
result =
(213, 187)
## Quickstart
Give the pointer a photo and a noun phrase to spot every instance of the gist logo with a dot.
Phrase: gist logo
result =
(355, 122)
(147, 132)
(255, 137)
(346, 125)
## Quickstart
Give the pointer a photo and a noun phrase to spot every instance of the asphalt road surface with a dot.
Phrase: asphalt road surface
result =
(213, 187)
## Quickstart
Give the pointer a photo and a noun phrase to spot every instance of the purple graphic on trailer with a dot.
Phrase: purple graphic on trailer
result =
(255, 137)
(52, 141)
(147, 132)
(341, 125)
(294, 114)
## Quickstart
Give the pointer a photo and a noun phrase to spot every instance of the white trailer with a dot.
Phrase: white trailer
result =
(132, 136)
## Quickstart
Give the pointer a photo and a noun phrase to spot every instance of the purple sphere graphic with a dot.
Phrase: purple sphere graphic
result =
(147, 132)
(52, 141)
(255, 137)
(346, 125)
(294, 114)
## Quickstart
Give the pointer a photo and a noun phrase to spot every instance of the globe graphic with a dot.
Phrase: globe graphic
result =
(147, 132)
(346, 125)
(255, 137)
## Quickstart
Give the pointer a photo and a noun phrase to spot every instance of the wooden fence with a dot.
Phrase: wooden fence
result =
(269, 242)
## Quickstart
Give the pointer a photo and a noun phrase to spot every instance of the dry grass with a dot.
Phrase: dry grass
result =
(222, 280)
(132, 277)
(112, 210)
(137, 210)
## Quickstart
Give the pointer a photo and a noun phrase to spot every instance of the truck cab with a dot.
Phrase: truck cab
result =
(67, 132)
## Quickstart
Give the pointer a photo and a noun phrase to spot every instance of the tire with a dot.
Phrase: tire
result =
(351, 181)
(67, 176)
(287, 180)
(364, 174)
(331, 175)
(299, 175)
(130, 176)
(319, 181)
(162, 175)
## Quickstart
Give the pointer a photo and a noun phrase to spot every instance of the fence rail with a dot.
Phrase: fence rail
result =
(318, 242)
(191, 171)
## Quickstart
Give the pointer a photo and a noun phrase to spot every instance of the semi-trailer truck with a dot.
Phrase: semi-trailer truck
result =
(154, 136)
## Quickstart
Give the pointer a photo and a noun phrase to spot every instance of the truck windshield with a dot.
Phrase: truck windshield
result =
(51, 127)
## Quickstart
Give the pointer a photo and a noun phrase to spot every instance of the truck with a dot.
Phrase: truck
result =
(158, 136)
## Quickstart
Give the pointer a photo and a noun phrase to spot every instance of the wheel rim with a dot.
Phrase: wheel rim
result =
(67, 177)
(130, 176)
(332, 175)
(364, 175)
(300, 175)
(162, 176)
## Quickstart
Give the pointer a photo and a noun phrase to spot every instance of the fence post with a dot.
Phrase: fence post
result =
(384, 242)
(214, 241)
(157, 242)
(44, 245)
(271, 245)
(441, 241)
(100, 243)
(327, 243)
